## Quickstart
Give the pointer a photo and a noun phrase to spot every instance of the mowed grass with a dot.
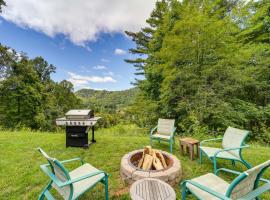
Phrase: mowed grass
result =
(21, 177)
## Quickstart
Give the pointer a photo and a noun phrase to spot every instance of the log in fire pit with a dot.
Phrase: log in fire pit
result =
(151, 163)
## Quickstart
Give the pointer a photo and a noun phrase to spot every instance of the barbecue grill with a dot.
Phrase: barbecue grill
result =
(78, 123)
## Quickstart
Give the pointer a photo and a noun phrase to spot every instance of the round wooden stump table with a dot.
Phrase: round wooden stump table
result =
(151, 189)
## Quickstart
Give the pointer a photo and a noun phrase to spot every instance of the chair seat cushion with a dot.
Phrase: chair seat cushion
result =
(211, 181)
(157, 135)
(210, 152)
(81, 186)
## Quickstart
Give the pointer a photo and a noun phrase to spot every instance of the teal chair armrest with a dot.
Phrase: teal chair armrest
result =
(49, 173)
(62, 184)
(210, 140)
(152, 130)
(206, 189)
(72, 160)
(230, 149)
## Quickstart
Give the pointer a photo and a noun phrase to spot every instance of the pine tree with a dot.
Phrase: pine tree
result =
(257, 23)
(145, 36)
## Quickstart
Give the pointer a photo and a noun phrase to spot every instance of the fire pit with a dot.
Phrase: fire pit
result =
(130, 172)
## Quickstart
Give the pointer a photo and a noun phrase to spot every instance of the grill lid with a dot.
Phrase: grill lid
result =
(79, 114)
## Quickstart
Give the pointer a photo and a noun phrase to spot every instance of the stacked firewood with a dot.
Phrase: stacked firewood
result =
(152, 159)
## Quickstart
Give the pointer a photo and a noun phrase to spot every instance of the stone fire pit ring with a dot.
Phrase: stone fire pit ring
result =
(130, 173)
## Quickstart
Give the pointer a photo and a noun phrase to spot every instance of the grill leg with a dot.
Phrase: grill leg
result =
(93, 135)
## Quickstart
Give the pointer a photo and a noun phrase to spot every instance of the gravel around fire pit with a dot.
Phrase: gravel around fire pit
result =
(131, 173)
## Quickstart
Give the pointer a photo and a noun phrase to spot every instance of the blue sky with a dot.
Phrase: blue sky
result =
(88, 51)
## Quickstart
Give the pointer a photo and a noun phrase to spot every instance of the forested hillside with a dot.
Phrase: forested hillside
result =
(107, 101)
(113, 106)
(206, 64)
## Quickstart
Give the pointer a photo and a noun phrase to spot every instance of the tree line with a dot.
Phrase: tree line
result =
(29, 97)
(205, 63)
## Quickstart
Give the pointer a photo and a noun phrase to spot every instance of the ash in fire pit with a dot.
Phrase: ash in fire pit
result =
(151, 163)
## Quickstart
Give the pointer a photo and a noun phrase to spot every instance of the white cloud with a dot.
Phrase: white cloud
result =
(99, 88)
(105, 60)
(87, 48)
(79, 80)
(99, 67)
(110, 73)
(119, 52)
(79, 20)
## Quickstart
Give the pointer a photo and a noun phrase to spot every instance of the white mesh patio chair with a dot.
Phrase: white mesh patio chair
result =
(71, 185)
(248, 185)
(163, 131)
(232, 145)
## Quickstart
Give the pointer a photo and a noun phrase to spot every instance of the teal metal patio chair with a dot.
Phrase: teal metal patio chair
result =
(232, 145)
(71, 185)
(248, 185)
(164, 131)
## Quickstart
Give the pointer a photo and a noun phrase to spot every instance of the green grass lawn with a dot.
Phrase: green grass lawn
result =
(21, 177)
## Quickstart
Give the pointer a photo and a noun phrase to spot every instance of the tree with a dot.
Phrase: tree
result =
(43, 69)
(28, 97)
(20, 95)
(257, 22)
(201, 68)
(2, 3)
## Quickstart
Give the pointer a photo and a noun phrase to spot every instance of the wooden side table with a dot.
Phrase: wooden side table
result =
(188, 145)
(151, 189)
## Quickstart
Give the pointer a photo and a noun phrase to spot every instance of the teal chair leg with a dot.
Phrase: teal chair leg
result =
(171, 146)
(106, 188)
(201, 154)
(215, 165)
(42, 195)
(184, 191)
(150, 141)
(159, 140)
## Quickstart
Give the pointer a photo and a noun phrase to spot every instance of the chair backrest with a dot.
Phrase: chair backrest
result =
(165, 126)
(61, 174)
(247, 181)
(234, 138)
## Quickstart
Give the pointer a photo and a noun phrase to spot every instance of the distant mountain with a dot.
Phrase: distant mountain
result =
(107, 101)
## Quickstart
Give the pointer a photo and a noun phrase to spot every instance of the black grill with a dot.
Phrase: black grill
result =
(77, 123)
(76, 136)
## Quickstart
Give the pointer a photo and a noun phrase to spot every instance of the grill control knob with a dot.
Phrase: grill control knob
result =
(70, 123)
(74, 123)
(79, 123)
(83, 123)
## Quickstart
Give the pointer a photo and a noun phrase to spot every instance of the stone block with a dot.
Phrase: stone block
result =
(138, 174)
(162, 175)
(173, 173)
(126, 169)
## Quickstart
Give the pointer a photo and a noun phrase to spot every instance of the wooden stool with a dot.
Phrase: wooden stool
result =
(188, 145)
(151, 189)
